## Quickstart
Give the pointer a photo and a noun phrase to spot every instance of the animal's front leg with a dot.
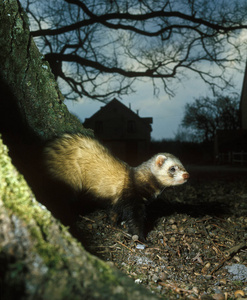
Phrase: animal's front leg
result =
(135, 217)
(133, 212)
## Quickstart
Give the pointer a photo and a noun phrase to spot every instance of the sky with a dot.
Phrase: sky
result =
(167, 113)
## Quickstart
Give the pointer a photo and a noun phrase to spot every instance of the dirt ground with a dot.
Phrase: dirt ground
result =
(196, 238)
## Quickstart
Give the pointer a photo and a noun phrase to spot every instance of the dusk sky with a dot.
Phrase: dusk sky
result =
(167, 113)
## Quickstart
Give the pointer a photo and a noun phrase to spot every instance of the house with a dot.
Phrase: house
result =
(122, 130)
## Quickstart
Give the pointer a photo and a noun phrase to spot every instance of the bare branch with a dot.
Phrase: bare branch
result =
(160, 40)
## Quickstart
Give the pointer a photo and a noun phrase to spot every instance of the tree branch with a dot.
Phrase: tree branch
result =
(103, 68)
(102, 19)
(139, 39)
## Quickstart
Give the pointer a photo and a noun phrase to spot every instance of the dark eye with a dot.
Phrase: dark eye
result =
(172, 169)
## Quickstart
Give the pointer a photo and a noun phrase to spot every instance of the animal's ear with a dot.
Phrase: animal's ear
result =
(160, 159)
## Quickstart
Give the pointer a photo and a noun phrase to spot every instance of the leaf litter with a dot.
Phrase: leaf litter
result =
(196, 245)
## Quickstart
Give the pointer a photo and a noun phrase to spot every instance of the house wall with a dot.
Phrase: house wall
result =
(133, 152)
(122, 131)
(116, 124)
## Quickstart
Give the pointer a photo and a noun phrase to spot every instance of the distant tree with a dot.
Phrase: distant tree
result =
(99, 48)
(205, 115)
(185, 135)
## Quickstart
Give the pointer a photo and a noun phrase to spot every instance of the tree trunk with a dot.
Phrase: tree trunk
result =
(28, 77)
(39, 259)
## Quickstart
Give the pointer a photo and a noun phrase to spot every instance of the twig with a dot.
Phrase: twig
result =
(87, 219)
(229, 253)
(124, 246)
(160, 258)
(175, 288)
(120, 230)
(220, 265)
(236, 248)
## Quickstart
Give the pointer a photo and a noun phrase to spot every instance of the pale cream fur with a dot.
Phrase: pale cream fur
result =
(85, 164)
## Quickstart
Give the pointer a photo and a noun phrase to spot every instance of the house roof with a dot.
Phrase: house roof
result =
(118, 106)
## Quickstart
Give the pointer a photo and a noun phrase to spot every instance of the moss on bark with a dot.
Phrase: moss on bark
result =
(38, 256)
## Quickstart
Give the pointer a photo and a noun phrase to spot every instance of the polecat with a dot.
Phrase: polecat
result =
(86, 165)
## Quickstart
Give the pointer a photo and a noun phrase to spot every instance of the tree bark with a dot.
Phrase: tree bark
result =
(39, 259)
(28, 77)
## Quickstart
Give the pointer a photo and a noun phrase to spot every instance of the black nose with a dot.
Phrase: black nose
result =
(186, 176)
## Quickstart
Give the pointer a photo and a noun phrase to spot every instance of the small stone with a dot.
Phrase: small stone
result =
(135, 237)
(138, 281)
(140, 246)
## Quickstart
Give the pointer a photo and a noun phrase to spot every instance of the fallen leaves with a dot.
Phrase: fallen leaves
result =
(189, 244)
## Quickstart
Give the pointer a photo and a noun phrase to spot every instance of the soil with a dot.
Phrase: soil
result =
(196, 238)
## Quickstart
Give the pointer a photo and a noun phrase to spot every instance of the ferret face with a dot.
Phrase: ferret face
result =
(169, 170)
